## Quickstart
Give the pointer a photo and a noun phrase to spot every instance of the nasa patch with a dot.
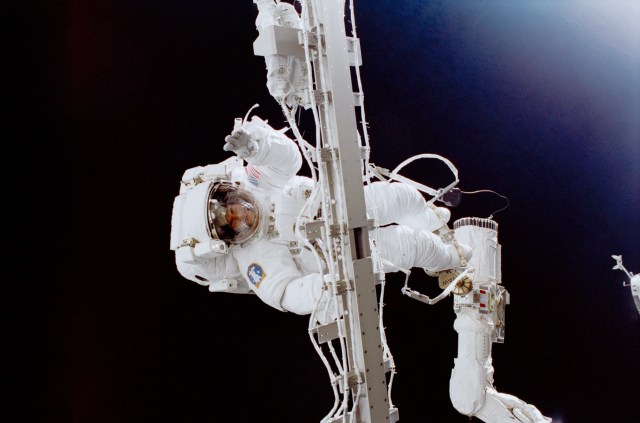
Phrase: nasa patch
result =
(255, 274)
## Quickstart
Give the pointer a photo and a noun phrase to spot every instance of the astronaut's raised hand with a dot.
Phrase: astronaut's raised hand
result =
(241, 143)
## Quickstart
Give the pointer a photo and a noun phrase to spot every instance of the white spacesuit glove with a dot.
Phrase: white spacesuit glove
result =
(241, 143)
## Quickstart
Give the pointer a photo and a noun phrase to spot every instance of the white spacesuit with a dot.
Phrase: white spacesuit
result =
(234, 226)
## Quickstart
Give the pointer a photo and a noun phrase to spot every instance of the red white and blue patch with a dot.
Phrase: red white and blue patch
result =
(253, 175)
(255, 274)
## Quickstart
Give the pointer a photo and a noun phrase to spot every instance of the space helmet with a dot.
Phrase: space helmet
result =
(233, 213)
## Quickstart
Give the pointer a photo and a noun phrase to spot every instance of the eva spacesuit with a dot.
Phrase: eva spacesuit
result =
(234, 226)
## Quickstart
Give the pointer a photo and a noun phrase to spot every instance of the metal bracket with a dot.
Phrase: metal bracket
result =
(393, 415)
(343, 286)
(336, 229)
(314, 230)
(294, 247)
(312, 39)
(276, 39)
(326, 154)
(353, 47)
(191, 242)
(353, 379)
(357, 99)
(318, 96)
(327, 332)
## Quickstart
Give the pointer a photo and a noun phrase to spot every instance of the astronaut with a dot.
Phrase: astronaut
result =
(234, 224)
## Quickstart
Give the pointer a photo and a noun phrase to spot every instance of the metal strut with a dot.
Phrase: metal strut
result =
(344, 169)
(324, 44)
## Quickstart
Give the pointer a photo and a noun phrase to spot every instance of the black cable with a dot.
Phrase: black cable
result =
(493, 192)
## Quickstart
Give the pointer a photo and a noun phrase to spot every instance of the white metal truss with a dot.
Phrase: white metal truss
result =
(339, 165)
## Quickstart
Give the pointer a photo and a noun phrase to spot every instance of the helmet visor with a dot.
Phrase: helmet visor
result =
(233, 213)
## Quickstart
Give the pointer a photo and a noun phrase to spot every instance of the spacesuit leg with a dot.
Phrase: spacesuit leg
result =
(471, 385)
(402, 204)
(402, 247)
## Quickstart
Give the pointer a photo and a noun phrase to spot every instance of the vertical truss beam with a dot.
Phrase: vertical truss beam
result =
(339, 132)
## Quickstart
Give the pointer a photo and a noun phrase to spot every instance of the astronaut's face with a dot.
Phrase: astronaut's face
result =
(240, 217)
(233, 213)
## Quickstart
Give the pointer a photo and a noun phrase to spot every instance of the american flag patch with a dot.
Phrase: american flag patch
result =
(253, 175)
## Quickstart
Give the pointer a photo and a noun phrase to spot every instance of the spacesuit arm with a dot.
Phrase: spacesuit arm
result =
(396, 202)
(218, 274)
(274, 277)
(273, 158)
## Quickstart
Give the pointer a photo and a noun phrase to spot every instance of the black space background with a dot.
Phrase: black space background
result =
(116, 99)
